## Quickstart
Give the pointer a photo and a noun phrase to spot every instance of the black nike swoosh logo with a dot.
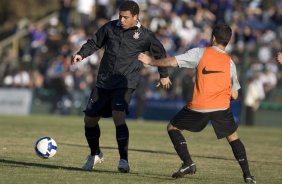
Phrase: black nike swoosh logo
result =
(204, 71)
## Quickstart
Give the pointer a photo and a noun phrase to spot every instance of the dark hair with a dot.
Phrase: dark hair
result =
(130, 6)
(222, 34)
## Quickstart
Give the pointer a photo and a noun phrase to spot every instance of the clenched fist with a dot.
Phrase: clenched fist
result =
(145, 58)
(75, 59)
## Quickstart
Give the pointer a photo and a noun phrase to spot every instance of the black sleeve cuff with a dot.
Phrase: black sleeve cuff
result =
(163, 72)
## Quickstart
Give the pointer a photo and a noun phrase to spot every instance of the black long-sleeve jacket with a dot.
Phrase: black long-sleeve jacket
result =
(119, 67)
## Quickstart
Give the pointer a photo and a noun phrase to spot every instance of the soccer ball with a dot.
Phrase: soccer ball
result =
(45, 147)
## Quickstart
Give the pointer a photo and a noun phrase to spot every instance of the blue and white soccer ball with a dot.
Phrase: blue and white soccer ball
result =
(45, 147)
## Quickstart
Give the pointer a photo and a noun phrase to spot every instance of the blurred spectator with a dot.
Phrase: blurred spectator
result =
(8, 65)
(64, 14)
(55, 74)
(254, 95)
(22, 79)
(54, 35)
(36, 45)
(86, 10)
(104, 9)
(269, 80)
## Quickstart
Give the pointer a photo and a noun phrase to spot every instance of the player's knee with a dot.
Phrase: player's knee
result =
(234, 136)
(170, 127)
(119, 117)
(91, 121)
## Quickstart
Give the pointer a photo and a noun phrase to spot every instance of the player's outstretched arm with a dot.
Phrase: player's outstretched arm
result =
(165, 62)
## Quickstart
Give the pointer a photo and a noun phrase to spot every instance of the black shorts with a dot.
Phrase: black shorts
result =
(103, 101)
(222, 121)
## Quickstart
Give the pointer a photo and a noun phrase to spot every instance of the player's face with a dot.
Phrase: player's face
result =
(127, 20)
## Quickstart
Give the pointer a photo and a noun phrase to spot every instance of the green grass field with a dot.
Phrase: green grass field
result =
(151, 155)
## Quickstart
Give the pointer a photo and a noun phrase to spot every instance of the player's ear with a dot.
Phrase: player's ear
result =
(213, 39)
(136, 17)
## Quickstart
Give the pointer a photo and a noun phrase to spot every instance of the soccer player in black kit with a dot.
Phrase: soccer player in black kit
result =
(123, 40)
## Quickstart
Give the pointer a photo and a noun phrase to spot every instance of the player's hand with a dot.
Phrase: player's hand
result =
(75, 59)
(164, 82)
(145, 58)
(279, 57)
(234, 95)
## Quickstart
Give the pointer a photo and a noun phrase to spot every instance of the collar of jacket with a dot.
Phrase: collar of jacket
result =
(137, 26)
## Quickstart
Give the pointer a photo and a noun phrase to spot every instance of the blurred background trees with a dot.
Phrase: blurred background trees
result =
(12, 11)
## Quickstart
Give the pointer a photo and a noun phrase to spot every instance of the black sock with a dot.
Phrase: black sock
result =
(241, 156)
(92, 135)
(180, 146)
(122, 137)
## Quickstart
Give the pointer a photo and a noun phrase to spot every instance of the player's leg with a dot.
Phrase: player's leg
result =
(240, 154)
(179, 143)
(122, 138)
(180, 146)
(121, 99)
(225, 126)
(94, 109)
(188, 120)
(92, 134)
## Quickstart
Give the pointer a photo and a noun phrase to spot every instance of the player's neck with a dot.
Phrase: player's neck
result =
(219, 46)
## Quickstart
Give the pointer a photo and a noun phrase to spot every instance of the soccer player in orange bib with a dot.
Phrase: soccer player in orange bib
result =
(215, 85)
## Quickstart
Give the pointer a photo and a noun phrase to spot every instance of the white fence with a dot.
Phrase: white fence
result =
(14, 101)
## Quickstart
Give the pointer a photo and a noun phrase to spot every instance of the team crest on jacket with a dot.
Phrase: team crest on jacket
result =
(136, 35)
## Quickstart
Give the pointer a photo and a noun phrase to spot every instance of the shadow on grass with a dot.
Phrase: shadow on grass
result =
(47, 166)
(170, 153)
(151, 151)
